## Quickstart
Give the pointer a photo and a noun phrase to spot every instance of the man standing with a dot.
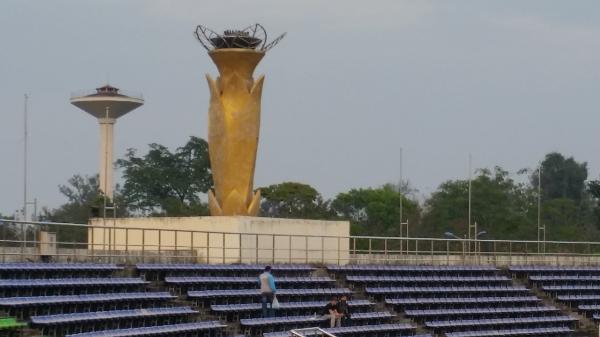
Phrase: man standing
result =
(331, 311)
(266, 281)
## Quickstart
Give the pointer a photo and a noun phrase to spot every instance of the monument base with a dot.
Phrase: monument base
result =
(223, 239)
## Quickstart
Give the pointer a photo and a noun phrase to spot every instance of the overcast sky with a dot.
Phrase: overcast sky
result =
(352, 83)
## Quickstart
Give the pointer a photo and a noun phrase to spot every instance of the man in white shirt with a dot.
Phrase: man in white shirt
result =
(266, 281)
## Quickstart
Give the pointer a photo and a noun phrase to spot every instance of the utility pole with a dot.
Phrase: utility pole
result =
(400, 192)
(540, 227)
(25, 154)
(470, 178)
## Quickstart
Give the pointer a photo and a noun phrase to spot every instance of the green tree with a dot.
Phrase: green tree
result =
(82, 195)
(375, 211)
(501, 207)
(565, 220)
(168, 183)
(83, 200)
(293, 200)
(561, 178)
(593, 188)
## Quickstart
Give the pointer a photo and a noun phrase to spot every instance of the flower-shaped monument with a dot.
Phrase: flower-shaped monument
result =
(234, 116)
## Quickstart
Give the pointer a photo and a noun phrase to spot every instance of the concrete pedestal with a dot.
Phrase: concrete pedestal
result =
(224, 239)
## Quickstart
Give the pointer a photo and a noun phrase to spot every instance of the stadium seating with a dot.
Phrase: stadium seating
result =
(575, 286)
(198, 300)
(92, 300)
(462, 300)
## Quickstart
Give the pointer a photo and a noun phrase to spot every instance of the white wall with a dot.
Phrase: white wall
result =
(227, 239)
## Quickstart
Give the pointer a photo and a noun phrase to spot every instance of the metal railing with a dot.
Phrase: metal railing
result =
(20, 241)
(310, 332)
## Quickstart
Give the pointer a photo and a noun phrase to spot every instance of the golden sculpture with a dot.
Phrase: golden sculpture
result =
(234, 117)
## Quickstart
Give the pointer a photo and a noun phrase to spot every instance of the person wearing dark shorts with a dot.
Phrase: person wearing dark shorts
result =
(266, 282)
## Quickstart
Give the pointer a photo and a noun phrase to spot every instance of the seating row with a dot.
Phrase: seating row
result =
(252, 295)
(540, 268)
(71, 282)
(220, 267)
(316, 319)
(410, 268)
(160, 271)
(570, 288)
(428, 279)
(29, 266)
(513, 332)
(172, 329)
(81, 317)
(244, 280)
(183, 283)
(69, 286)
(370, 330)
(481, 311)
(446, 290)
(461, 300)
(499, 321)
(565, 278)
(24, 307)
(90, 298)
(283, 306)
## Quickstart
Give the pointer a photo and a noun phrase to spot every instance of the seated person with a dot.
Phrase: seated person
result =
(331, 311)
(344, 310)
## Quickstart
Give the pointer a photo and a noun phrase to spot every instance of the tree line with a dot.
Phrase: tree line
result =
(161, 182)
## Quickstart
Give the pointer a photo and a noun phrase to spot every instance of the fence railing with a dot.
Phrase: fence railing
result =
(23, 241)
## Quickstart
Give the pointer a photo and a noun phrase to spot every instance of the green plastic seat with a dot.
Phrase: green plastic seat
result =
(9, 323)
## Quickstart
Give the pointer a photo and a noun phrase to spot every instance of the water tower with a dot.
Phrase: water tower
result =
(106, 103)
